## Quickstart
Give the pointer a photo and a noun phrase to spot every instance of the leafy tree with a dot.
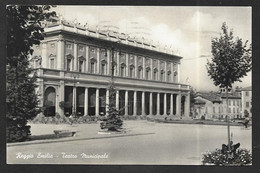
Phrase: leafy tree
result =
(230, 62)
(113, 121)
(23, 31)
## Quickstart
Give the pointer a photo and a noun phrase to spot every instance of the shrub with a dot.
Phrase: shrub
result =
(240, 157)
(203, 117)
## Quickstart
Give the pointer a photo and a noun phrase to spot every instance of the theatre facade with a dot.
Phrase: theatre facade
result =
(73, 64)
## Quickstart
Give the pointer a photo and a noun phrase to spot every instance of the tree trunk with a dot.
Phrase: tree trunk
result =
(228, 126)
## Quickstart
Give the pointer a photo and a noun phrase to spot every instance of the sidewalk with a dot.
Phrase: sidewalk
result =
(194, 121)
(43, 133)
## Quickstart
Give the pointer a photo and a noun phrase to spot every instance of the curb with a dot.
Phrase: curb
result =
(68, 140)
(194, 122)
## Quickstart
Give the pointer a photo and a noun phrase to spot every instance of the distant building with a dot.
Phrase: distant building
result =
(208, 105)
(246, 99)
(234, 103)
(214, 105)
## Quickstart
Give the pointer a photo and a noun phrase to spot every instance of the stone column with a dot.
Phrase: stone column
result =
(172, 74)
(118, 64)
(109, 59)
(135, 103)
(74, 101)
(151, 69)
(87, 59)
(165, 71)
(61, 98)
(107, 101)
(171, 104)
(178, 104)
(179, 75)
(117, 99)
(86, 102)
(151, 104)
(44, 55)
(187, 105)
(60, 54)
(165, 104)
(136, 66)
(97, 102)
(75, 68)
(127, 65)
(126, 102)
(159, 70)
(41, 93)
(158, 103)
(143, 103)
(98, 60)
(144, 69)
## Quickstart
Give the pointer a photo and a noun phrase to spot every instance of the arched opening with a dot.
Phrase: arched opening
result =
(68, 100)
(49, 102)
(80, 101)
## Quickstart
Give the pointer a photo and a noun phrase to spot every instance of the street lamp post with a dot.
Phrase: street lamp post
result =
(74, 101)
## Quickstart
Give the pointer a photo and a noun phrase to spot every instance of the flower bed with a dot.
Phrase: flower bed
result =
(241, 157)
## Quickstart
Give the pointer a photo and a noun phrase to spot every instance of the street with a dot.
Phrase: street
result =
(158, 143)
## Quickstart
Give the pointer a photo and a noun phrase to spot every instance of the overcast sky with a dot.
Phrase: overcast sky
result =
(187, 30)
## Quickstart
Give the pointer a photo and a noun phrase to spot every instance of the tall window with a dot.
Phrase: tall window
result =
(131, 72)
(147, 74)
(229, 110)
(168, 76)
(81, 66)
(234, 110)
(247, 104)
(229, 102)
(122, 70)
(213, 109)
(92, 67)
(69, 64)
(234, 103)
(139, 73)
(162, 75)
(247, 93)
(52, 63)
(103, 68)
(218, 109)
(155, 74)
(237, 110)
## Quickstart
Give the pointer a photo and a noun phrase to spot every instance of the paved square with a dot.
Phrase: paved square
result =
(147, 143)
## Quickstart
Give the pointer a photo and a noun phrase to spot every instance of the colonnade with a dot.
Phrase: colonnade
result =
(160, 103)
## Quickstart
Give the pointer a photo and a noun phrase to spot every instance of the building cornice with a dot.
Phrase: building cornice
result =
(83, 39)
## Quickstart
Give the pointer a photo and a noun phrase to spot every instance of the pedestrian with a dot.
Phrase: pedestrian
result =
(71, 119)
(246, 122)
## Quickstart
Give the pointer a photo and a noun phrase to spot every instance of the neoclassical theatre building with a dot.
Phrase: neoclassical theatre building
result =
(73, 64)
